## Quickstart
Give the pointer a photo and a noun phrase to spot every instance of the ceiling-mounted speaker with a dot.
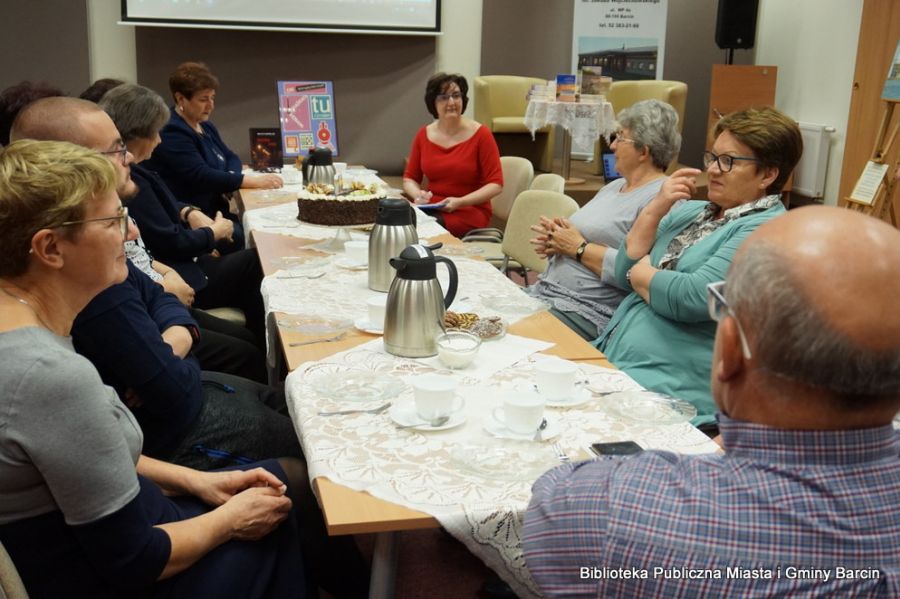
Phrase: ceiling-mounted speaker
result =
(736, 23)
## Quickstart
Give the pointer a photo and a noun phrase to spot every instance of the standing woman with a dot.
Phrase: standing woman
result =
(193, 160)
(82, 513)
(457, 155)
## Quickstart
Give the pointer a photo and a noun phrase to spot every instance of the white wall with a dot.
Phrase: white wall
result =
(813, 43)
(110, 46)
(458, 48)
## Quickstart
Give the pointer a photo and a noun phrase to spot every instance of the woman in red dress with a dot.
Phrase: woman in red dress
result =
(458, 157)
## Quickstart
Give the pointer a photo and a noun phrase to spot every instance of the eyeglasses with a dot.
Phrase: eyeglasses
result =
(725, 162)
(445, 97)
(620, 138)
(122, 151)
(718, 306)
(122, 217)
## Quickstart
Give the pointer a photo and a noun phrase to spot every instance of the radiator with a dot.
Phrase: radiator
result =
(809, 176)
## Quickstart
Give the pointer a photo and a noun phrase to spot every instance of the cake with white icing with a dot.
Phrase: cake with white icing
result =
(319, 205)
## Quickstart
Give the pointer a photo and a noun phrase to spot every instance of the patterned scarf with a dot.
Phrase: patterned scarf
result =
(706, 223)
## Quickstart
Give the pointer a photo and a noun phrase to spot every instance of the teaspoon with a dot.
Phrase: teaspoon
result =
(434, 423)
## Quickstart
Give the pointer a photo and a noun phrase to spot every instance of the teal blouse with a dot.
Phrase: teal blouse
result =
(666, 345)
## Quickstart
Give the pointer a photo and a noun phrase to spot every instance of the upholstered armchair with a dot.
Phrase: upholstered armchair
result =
(500, 103)
(623, 94)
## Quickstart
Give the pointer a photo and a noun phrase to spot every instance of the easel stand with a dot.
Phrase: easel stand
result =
(882, 204)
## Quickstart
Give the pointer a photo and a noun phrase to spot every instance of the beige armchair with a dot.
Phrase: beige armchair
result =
(500, 103)
(623, 94)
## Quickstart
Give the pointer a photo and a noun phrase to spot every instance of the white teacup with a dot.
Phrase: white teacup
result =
(376, 306)
(357, 252)
(522, 411)
(555, 379)
(435, 396)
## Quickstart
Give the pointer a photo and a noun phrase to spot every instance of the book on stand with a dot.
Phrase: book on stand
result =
(265, 150)
(566, 88)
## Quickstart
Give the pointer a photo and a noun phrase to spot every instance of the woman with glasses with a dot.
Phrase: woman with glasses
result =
(457, 155)
(580, 282)
(82, 512)
(193, 159)
(662, 334)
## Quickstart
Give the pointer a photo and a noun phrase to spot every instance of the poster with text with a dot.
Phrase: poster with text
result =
(306, 111)
(625, 38)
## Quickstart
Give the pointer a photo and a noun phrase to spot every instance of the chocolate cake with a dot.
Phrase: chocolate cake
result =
(321, 207)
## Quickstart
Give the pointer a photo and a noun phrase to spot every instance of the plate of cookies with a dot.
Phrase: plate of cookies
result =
(487, 328)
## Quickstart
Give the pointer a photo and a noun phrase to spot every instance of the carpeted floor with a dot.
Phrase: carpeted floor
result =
(433, 564)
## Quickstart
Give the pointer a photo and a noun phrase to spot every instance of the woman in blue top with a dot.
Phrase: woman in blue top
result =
(661, 334)
(193, 160)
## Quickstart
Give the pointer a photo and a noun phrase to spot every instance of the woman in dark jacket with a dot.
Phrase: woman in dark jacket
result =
(192, 158)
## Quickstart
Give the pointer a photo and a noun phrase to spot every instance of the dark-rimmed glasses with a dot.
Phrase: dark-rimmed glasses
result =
(718, 307)
(445, 97)
(122, 152)
(122, 217)
(725, 162)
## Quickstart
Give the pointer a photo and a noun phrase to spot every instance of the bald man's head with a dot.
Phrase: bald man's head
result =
(816, 291)
(53, 119)
(80, 122)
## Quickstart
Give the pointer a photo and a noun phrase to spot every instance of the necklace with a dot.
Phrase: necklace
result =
(34, 311)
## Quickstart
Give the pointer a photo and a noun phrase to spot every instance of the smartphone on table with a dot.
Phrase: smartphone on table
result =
(618, 448)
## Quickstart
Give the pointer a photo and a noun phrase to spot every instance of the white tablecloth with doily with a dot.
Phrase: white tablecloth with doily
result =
(340, 293)
(585, 121)
(475, 484)
(282, 218)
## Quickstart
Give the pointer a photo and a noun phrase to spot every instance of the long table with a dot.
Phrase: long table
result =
(348, 511)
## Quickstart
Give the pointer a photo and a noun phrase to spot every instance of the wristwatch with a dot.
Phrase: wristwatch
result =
(579, 253)
(187, 212)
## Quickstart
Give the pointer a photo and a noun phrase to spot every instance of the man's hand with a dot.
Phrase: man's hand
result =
(179, 339)
(222, 228)
(174, 284)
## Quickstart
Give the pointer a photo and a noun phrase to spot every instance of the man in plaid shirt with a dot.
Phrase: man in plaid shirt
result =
(805, 499)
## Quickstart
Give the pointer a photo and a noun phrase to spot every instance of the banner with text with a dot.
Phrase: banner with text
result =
(625, 38)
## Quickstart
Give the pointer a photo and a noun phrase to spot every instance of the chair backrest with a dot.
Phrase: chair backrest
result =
(11, 586)
(501, 96)
(517, 175)
(623, 94)
(549, 182)
(527, 210)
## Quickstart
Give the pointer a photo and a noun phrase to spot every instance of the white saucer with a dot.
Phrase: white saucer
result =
(345, 262)
(499, 430)
(365, 326)
(580, 396)
(404, 414)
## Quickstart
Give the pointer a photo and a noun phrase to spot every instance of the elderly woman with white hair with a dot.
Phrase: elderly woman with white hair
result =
(580, 282)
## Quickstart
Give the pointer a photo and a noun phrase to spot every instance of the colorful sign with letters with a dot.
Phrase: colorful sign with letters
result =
(306, 111)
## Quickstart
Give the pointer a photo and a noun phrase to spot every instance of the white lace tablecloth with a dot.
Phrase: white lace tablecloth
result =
(341, 293)
(585, 121)
(476, 485)
(282, 219)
